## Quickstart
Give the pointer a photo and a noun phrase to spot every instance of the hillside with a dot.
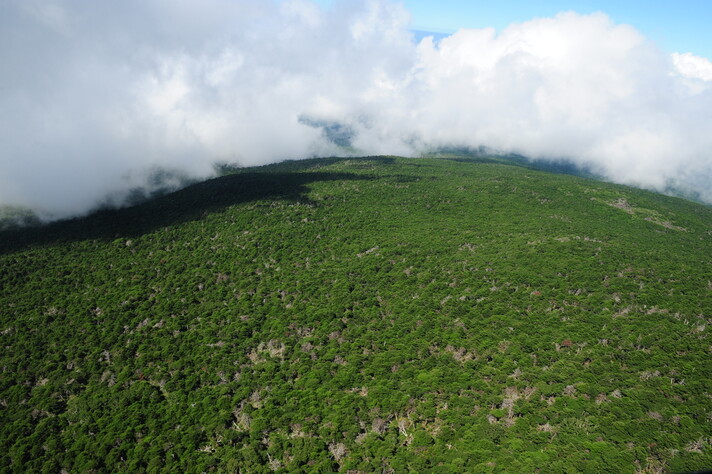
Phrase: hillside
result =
(363, 315)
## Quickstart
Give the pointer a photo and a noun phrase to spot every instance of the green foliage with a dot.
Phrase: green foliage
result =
(367, 315)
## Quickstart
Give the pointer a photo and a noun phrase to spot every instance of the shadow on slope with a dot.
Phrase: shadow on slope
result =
(188, 204)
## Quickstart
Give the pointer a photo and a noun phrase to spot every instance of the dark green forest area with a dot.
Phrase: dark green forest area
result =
(363, 315)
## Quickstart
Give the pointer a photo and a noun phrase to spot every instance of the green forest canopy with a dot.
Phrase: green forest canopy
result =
(363, 315)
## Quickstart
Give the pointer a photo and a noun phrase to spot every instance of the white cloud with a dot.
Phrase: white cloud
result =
(695, 72)
(92, 94)
(692, 66)
(573, 86)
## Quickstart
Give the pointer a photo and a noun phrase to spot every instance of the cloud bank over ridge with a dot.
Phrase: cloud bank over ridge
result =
(94, 96)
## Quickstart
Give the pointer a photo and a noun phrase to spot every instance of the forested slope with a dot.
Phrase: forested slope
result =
(363, 315)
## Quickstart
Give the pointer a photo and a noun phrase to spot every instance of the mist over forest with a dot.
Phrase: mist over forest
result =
(97, 99)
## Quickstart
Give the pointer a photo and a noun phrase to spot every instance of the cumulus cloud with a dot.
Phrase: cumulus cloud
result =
(575, 87)
(692, 66)
(94, 97)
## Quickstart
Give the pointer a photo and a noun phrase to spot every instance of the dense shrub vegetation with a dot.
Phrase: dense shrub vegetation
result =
(363, 315)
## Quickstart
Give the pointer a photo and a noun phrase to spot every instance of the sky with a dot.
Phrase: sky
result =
(96, 97)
